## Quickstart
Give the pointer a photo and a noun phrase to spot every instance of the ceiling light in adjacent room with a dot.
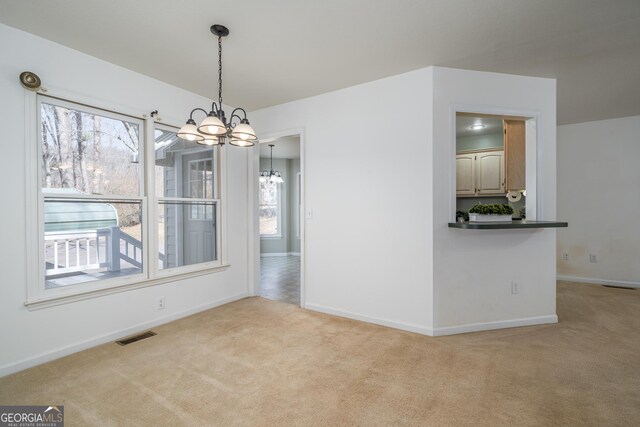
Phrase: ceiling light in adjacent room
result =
(270, 175)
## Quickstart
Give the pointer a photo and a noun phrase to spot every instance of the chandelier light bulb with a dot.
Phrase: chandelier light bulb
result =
(209, 141)
(241, 142)
(212, 125)
(190, 132)
(244, 131)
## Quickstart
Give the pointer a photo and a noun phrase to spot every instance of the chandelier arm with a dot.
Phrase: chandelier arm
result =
(241, 119)
(231, 119)
(194, 110)
(239, 109)
(214, 107)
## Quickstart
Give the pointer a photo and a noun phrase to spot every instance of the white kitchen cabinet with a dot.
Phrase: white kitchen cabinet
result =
(466, 174)
(480, 173)
(490, 172)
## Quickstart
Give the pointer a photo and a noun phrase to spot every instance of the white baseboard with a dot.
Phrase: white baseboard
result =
(83, 345)
(500, 324)
(383, 322)
(270, 254)
(593, 281)
(449, 330)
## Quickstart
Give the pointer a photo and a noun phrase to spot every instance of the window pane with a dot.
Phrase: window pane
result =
(186, 233)
(88, 153)
(91, 240)
(269, 220)
(183, 168)
(268, 193)
(269, 208)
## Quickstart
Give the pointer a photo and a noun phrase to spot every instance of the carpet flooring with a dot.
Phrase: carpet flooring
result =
(265, 363)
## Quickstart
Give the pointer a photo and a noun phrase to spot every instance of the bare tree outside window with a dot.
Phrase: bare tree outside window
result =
(91, 154)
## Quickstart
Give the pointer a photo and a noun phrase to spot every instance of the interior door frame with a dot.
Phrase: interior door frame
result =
(253, 267)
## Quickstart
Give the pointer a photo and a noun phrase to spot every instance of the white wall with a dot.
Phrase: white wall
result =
(30, 337)
(480, 142)
(368, 181)
(598, 193)
(473, 269)
(379, 179)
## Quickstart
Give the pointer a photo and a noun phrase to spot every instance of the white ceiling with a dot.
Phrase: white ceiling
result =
(287, 147)
(491, 126)
(291, 49)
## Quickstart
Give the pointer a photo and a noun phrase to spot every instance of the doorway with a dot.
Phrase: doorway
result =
(279, 188)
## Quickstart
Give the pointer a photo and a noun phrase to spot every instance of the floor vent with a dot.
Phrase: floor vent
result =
(135, 338)
(619, 287)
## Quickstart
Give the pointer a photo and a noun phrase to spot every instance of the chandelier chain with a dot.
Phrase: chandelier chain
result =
(271, 146)
(220, 71)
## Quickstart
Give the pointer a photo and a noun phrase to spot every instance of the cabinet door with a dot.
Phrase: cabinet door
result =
(490, 174)
(514, 154)
(465, 175)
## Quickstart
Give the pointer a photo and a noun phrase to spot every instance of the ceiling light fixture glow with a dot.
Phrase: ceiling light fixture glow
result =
(215, 129)
(478, 126)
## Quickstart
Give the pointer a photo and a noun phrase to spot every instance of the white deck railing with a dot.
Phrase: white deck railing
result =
(72, 252)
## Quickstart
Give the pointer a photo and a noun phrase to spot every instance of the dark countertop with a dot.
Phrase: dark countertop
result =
(507, 225)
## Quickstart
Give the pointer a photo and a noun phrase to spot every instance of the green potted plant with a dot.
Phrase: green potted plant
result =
(462, 215)
(490, 213)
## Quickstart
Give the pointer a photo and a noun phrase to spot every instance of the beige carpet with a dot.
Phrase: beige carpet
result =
(259, 362)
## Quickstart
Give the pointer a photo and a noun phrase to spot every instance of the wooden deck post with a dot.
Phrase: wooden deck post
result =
(114, 249)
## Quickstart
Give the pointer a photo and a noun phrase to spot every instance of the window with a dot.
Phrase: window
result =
(269, 205)
(102, 223)
(91, 194)
(186, 188)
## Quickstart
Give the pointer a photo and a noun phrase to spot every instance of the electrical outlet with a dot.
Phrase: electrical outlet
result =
(565, 256)
(593, 258)
(515, 287)
(160, 303)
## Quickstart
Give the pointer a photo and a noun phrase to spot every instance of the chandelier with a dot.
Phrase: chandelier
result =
(215, 129)
(270, 175)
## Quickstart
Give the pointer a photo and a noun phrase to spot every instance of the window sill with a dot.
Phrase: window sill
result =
(270, 237)
(65, 299)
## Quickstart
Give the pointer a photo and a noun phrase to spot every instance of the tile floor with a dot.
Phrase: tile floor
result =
(280, 278)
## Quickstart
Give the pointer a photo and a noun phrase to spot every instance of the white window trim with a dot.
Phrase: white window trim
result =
(39, 297)
(278, 236)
